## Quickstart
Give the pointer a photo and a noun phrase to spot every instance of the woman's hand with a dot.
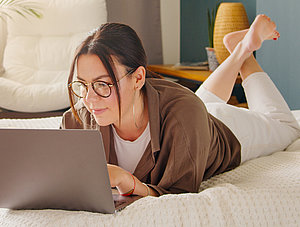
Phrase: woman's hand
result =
(120, 178)
(124, 182)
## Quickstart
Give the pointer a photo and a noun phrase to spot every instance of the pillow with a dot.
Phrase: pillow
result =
(295, 146)
(38, 53)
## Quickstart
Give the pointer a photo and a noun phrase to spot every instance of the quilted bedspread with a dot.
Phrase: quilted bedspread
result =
(260, 192)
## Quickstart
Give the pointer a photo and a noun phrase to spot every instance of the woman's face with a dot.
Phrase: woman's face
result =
(105, 110)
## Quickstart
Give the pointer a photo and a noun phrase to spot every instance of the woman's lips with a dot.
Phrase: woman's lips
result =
(98, 111)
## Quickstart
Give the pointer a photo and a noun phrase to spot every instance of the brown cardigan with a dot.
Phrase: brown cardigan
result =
(188, 145)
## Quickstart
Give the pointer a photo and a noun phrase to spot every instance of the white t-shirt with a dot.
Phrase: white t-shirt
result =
(129, 153)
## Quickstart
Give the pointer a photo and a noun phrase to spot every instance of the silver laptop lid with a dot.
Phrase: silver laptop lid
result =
(54, 169)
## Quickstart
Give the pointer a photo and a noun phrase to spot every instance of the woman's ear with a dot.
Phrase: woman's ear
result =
(139, 77)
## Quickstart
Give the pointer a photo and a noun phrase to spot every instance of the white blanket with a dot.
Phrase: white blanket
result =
(45, 123)
(260, 192)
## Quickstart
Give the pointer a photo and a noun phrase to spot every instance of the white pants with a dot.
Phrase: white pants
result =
(267, 126)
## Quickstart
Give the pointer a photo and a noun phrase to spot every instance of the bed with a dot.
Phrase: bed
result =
(260, 192)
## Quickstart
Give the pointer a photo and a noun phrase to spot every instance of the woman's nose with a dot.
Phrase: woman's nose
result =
(91, 95)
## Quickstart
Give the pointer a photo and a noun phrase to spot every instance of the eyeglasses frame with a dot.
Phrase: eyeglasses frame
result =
(92, 84)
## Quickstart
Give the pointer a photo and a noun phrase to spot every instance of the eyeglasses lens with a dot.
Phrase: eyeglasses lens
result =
(79, 89)
(101, 88)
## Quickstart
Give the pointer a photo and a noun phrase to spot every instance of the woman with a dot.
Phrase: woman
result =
(158, 136)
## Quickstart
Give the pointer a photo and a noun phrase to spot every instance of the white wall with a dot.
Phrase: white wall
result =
(170, 22)
(280, 59)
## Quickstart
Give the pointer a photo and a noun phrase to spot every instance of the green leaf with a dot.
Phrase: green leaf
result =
(209, 23)
(37, 14)
(20, 7)
(211, 18)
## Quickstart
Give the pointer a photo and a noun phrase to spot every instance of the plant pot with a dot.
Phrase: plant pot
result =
(211, 58)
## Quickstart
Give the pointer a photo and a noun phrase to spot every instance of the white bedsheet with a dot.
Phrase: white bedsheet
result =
(260, 192)
(34, 123)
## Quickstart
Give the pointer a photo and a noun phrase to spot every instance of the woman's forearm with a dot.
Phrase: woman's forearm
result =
(131, 182)
(126, 183)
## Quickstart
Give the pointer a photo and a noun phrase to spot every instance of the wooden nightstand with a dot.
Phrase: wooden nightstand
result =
(192, 79)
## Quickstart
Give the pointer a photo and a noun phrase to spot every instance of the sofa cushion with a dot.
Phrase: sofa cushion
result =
(2, 44)
(39, 52)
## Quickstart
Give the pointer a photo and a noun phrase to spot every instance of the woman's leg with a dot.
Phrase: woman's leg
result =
(250, 65)
(269, 125)
(261, 93)
(258, 134)
(222, 80)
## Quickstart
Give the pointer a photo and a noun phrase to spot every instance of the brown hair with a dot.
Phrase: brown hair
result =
(112, 39)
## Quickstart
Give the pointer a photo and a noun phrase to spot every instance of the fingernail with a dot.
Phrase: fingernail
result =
(275, 38)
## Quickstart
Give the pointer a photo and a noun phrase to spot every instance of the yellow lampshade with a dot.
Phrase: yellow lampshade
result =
(231, 16)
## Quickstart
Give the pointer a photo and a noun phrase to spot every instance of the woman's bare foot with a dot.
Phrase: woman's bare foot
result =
(261, 22)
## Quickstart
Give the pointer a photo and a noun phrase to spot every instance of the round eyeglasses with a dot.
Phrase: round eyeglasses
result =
(101, 88)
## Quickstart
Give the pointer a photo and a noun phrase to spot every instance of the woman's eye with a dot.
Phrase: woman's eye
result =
(101, 85)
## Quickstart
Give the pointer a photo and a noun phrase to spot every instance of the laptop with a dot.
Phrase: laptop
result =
(56, 169)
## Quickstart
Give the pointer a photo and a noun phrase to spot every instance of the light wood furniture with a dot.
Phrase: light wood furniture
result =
(197, 76)
(192, 77)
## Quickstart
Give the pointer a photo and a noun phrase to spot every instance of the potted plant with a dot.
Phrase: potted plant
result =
(21, 7)
(211, 56)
